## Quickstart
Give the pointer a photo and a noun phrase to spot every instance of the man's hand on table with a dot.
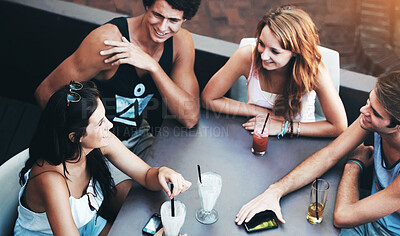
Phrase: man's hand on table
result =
(268, 200)
(166, 175)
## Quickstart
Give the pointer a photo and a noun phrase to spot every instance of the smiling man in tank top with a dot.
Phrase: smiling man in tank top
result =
(144, 69)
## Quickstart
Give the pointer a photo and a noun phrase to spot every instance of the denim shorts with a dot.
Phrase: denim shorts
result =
(94, 227)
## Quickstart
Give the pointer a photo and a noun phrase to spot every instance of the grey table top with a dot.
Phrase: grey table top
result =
(220, 144)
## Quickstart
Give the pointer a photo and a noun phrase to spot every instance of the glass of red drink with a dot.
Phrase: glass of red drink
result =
(260, 135)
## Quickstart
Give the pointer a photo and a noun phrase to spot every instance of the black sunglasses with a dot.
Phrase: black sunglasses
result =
(71, 95)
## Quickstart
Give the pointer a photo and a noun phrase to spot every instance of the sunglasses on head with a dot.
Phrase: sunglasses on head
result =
(71, 95)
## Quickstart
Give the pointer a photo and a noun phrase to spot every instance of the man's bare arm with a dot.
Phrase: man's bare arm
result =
(314, 166)
(181, 91)
(84, 64)
(321, 161)
(351, 212)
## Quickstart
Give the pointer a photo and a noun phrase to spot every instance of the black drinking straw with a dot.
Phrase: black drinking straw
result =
(198, 171)
(172, 203)
(316, 197)
(265, 122)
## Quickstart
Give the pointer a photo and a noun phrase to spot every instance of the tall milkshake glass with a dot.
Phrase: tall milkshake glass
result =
(209, 190)
(172, 224)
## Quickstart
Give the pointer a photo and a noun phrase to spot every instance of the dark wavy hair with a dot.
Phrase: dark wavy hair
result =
(297, 33)
(189, 7)
(51, 143)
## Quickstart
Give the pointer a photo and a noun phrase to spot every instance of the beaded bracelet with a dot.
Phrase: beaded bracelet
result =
(298, 130)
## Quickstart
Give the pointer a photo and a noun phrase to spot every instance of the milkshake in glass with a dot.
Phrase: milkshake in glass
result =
(172, 224)
(209, 190)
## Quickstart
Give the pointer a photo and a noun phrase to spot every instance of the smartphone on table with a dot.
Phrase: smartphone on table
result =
(153, 225)
(262, 221)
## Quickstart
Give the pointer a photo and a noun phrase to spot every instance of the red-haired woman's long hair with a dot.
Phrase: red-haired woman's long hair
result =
(297, 33)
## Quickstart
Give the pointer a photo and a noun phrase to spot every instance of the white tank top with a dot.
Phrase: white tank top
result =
(80, 209)
(256, 96)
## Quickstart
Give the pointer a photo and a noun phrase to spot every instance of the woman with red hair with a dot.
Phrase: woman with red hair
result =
(284, 75)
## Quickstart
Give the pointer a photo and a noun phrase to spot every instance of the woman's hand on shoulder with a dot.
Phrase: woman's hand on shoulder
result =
(166, 175)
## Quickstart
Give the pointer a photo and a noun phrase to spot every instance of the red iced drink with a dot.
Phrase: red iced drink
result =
(260, 143)
(260, 135)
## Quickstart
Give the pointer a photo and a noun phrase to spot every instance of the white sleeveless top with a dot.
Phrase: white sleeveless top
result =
(256, 96)
(81, 212)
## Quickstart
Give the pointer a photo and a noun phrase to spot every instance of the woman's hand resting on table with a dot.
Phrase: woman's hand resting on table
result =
(265, 201)
(161, 231)
(274, 128)
(166, 175)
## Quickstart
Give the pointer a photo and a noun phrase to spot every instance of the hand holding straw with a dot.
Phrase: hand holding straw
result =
(172, 203)
(265, 122)
(198, 171)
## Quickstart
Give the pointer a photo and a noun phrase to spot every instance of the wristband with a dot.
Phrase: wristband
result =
(358, 162)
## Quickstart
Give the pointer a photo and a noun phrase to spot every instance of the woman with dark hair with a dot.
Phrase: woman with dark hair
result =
(142, 66)
(284, 75)
(66, 178)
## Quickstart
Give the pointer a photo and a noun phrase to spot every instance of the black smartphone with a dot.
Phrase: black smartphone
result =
(262, 221)
(153, 225)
